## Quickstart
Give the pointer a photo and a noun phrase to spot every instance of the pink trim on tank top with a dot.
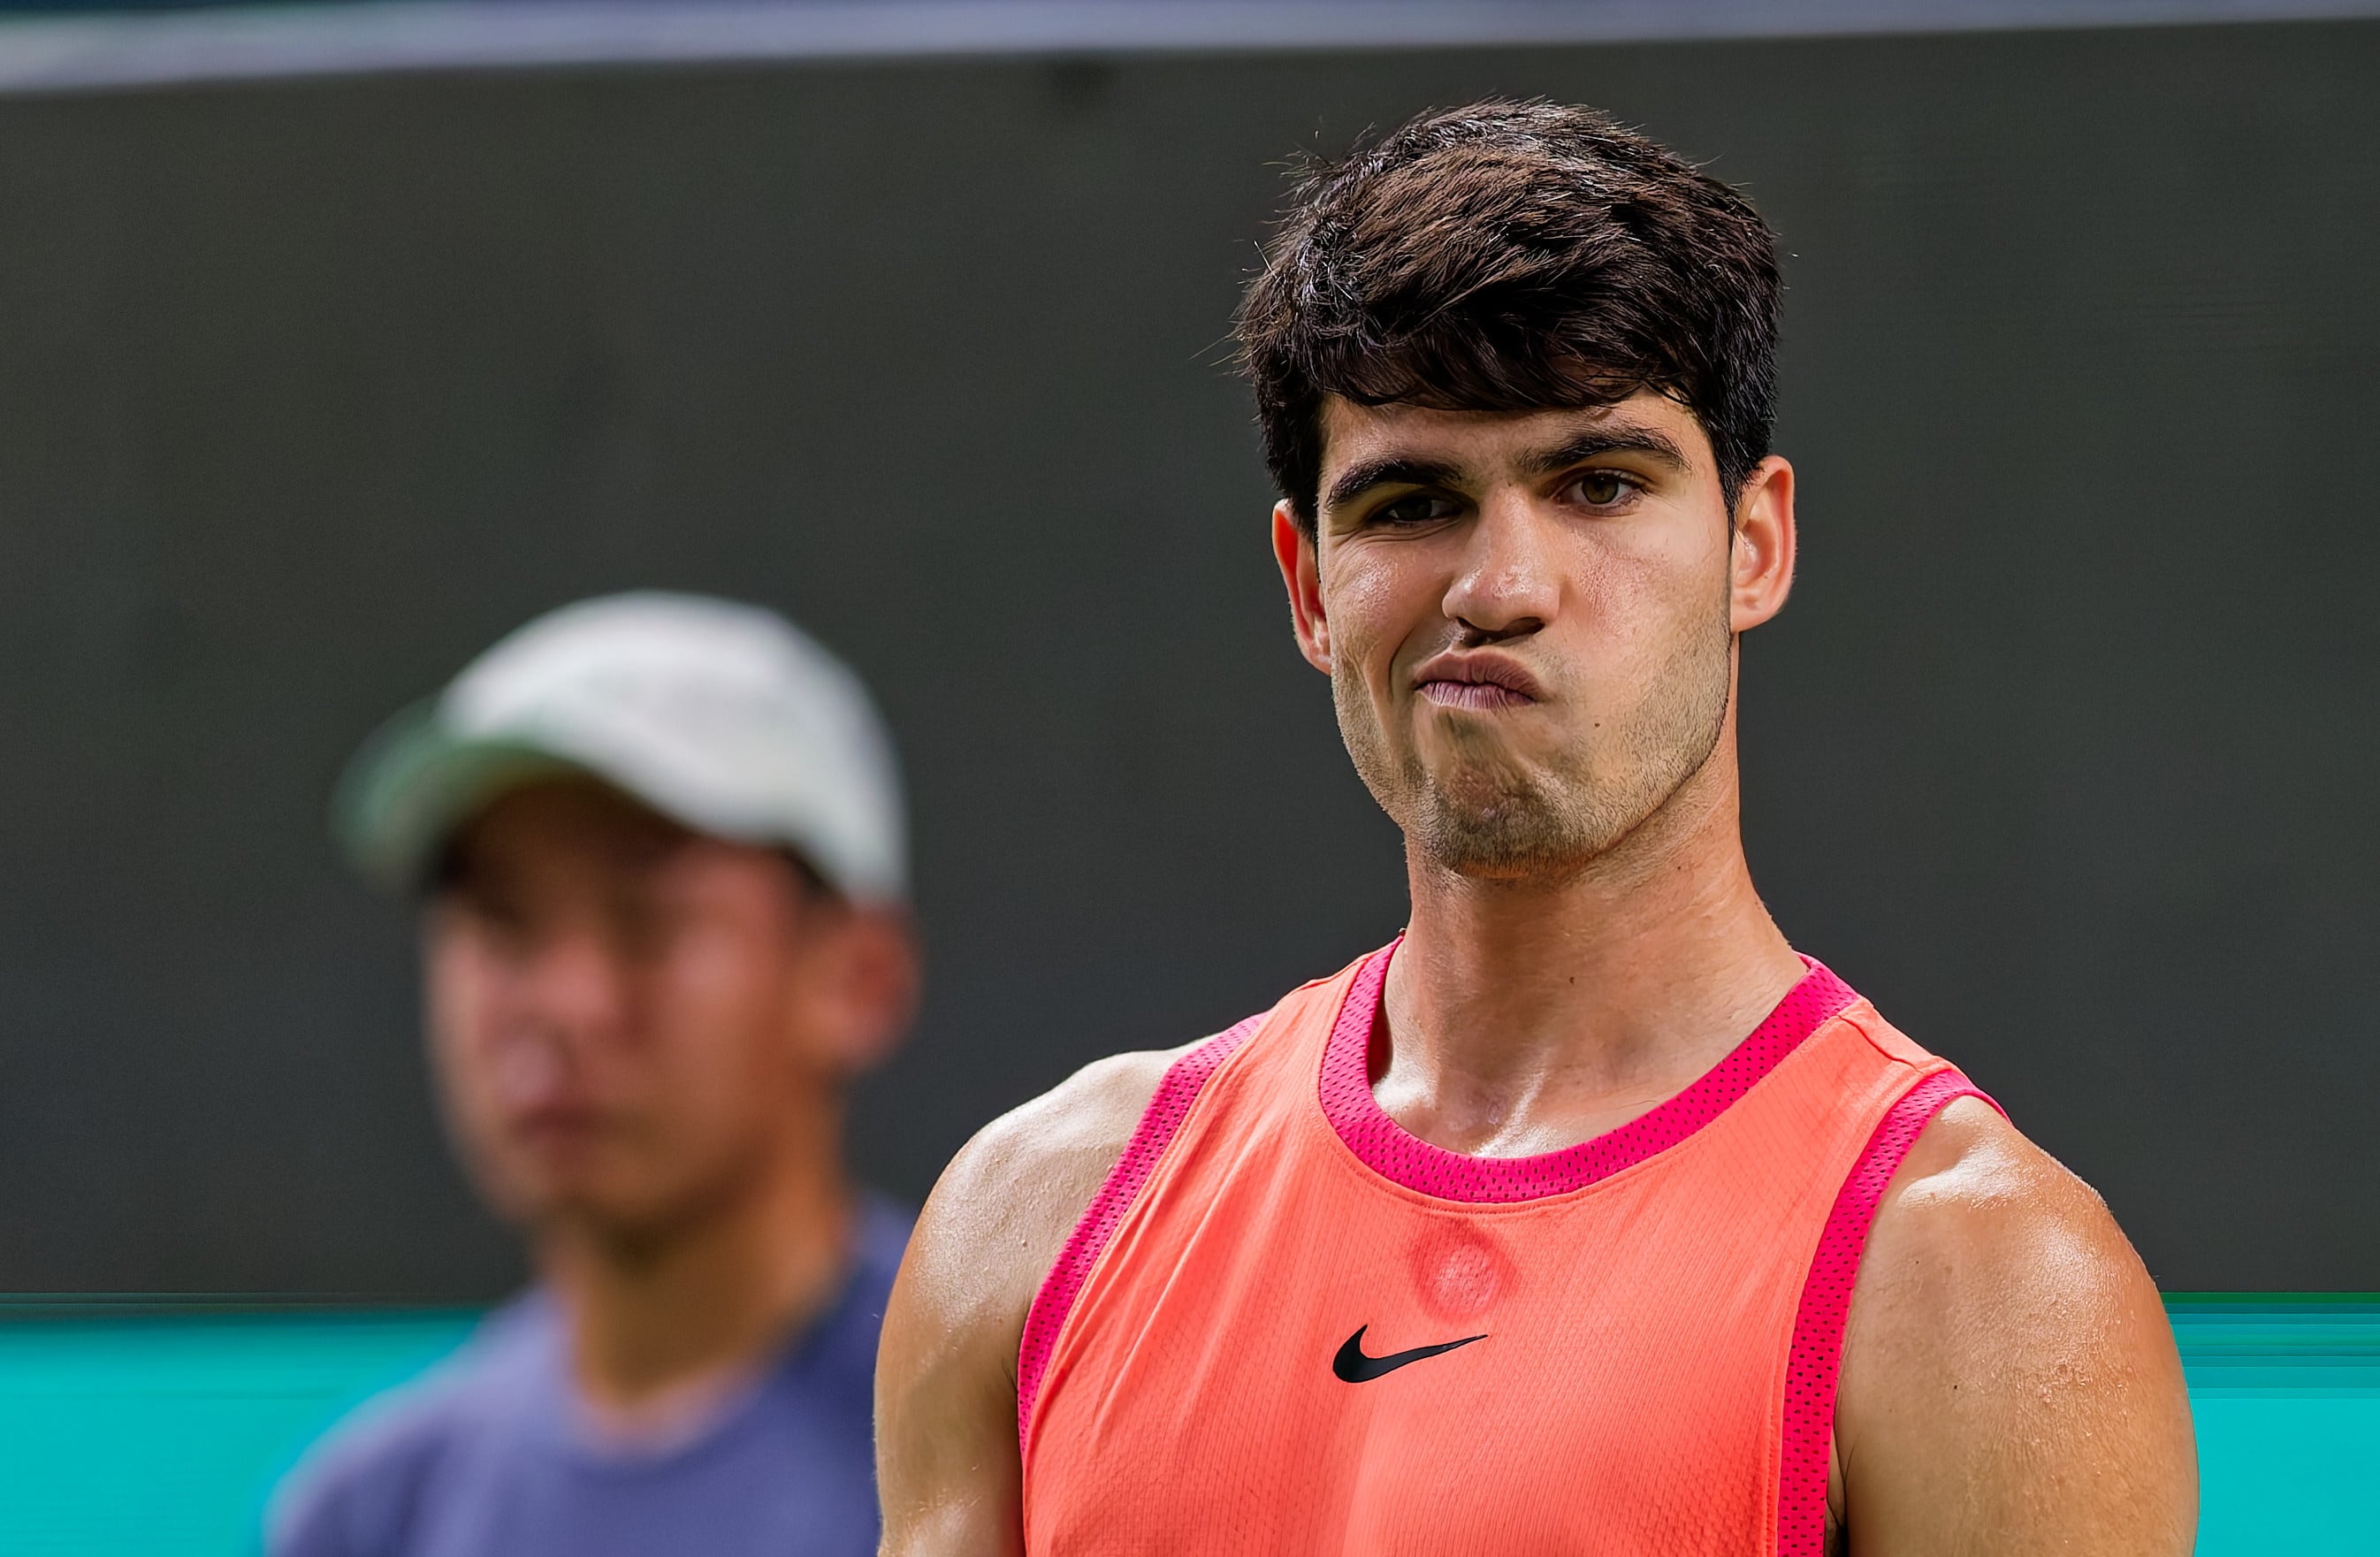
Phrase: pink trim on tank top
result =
(1816, 1360)
(1167, 1109)
(1388, 1148)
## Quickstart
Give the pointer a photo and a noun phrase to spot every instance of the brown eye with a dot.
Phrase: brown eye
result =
(1601, 489)
(1420, 507)
(499, 921)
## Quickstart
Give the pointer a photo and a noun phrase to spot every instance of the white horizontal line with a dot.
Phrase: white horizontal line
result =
(243, 43)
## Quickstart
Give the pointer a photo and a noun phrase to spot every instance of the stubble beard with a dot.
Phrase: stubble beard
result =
(1484, 815)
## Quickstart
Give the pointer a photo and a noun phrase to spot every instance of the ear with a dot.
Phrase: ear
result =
(869, 981)
(1761, 556)
(1301, 574)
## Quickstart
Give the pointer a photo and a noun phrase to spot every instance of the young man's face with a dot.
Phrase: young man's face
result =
(626, 1018)
(1528, 619)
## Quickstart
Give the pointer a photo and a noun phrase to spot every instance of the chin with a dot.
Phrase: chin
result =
(618, 1221)
(542, 1192)
(540, 1202)
(1487, 798)
(1502, 841)
(1495, 824)
(1503, 854)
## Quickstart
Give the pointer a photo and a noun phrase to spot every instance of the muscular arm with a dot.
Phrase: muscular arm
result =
(946, 1455)
(2010, 1384)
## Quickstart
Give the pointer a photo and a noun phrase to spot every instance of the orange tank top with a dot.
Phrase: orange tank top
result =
(1286, 1325)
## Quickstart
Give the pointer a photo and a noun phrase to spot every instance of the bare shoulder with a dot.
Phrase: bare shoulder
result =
(1004, 1207)
(1975, 1193)
(1980, 1220)
(946, 1455)
(2010, 1382)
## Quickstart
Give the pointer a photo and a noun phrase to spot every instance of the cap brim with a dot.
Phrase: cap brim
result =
(414, 781)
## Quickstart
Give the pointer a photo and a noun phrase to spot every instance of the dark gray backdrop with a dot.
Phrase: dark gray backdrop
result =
(2065, 750)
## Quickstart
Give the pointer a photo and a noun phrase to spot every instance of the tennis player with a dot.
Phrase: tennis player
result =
(1588, 1216)
(659, 848)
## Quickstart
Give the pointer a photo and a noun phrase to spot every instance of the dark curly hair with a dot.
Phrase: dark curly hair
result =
(1512, 257)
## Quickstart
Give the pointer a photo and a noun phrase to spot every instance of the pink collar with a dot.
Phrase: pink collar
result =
(1386, 1148)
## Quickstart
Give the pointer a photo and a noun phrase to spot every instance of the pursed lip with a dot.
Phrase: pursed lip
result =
(1476, 678)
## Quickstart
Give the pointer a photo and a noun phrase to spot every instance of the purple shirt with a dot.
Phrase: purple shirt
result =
(490, 1454)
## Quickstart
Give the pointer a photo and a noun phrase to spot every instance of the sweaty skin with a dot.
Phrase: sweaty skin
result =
(1529, 621)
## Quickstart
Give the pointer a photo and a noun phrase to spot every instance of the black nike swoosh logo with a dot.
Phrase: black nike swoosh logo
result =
(1352, 1365)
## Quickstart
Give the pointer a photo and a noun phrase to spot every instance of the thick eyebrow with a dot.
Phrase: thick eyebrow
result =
(1403, 471)
(1388, 470)
(1624, 439)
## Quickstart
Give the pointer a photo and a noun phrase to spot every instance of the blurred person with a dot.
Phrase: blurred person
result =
(1587, 1216)
(660, 846)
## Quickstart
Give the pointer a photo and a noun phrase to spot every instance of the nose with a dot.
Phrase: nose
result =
(1508, 583)
(567, 996)
(575, 982)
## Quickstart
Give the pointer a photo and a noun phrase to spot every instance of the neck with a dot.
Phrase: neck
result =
(1527, 1016)
(670, 1316)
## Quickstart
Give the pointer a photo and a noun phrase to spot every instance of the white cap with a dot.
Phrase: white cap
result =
(725, 718)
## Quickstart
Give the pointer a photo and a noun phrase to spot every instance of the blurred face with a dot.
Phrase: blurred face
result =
(1528, 619)
(627, 1019)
